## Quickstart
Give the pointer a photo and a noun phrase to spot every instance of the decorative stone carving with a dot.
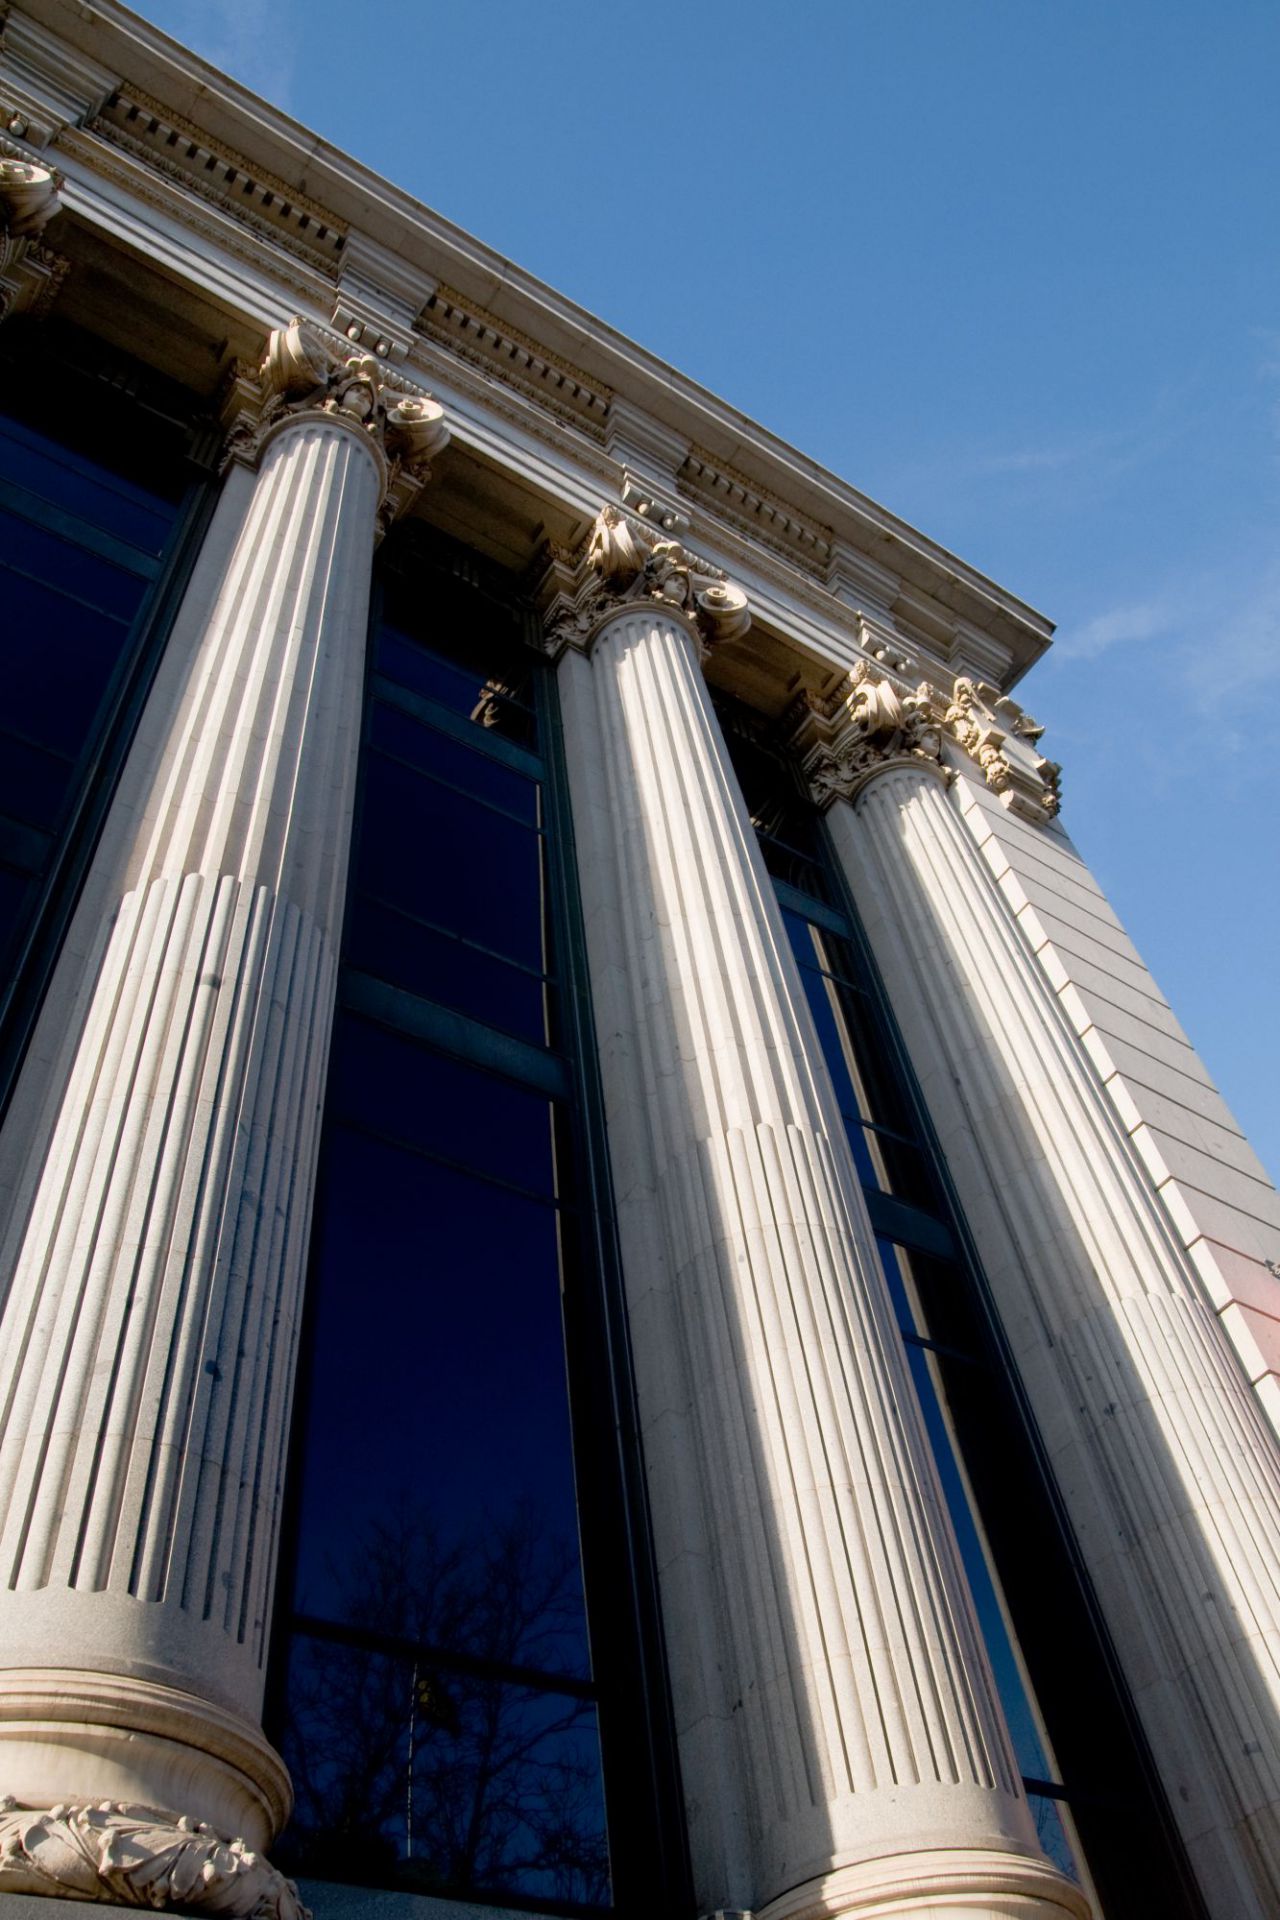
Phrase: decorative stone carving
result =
(138, 1857)
(30, 273)
(28, 198)
(629, 562)
(308, 370)
(869, 723)
(865, 726)
(996, 733)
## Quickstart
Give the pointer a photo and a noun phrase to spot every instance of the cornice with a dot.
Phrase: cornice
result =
(798, 497)
(756, 512)
(215, 227)
(517, 361)
(219, 174)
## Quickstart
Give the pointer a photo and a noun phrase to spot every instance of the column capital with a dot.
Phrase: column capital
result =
(864, 726)
(624, 565)
(30, 272)
(873, 721)
(308, 372)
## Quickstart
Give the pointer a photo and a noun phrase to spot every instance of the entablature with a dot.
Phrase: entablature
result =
(121, 101)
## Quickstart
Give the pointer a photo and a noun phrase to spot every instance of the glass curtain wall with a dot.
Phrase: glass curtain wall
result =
(460, 1639)
(1097, 1808)
(96, 496)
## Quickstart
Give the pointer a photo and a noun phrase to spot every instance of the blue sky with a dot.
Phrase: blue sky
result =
(1009, 266)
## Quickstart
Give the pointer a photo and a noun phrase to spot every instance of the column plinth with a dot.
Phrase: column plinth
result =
(1166, 1467)
(841, 1745)
(154, 1283)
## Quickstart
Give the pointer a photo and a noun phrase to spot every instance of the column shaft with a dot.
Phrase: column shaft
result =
(1168, 1471)
(154, 1285)
(840, 1739)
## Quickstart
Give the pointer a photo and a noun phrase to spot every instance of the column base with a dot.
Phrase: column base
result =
(962, 1883)
(73, 1739)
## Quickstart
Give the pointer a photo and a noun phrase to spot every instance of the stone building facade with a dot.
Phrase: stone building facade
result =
(620, 1293)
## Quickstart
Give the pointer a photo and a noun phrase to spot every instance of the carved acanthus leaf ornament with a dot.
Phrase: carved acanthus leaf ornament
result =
(1003, 739)
(630, 563)
(306, 370)
(868, 723)
(138, 1857)
(863, 727)
(30, 273)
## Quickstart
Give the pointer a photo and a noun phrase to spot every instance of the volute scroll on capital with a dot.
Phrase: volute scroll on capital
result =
(865, 727)
(308, 372)
(869, 724)
(30, 272)
(631, 563)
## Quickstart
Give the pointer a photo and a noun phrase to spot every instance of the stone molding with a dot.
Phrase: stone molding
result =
(965, 1883)
(627, 563)
(174, 147)
(555, 385)
(44, 1707)
(30, 272)
(133, 1856)
(307, 372)
(871, 722)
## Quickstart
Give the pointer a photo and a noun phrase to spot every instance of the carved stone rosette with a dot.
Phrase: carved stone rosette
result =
(138, 1857)
(868, 724)
(308, 370)
(865, 726)
(30, 273)
(629, 562)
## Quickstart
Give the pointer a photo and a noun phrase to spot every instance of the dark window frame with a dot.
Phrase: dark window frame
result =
(644, 1803)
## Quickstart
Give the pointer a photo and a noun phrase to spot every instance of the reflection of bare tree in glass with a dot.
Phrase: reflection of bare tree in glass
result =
(448, 1776)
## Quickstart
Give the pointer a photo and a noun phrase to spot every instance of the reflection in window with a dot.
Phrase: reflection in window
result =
(96, 495)
(438, 1688)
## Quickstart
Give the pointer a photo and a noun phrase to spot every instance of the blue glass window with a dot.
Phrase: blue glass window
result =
(438, 1582)
(91, 491)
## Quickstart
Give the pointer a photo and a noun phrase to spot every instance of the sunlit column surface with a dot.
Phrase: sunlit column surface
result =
(841, 1746)
(1168, 1471)
(154, 1276)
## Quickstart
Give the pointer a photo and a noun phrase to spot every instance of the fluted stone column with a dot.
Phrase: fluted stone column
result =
(841, 1746)
(153, 1285)
(1167, 1468)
